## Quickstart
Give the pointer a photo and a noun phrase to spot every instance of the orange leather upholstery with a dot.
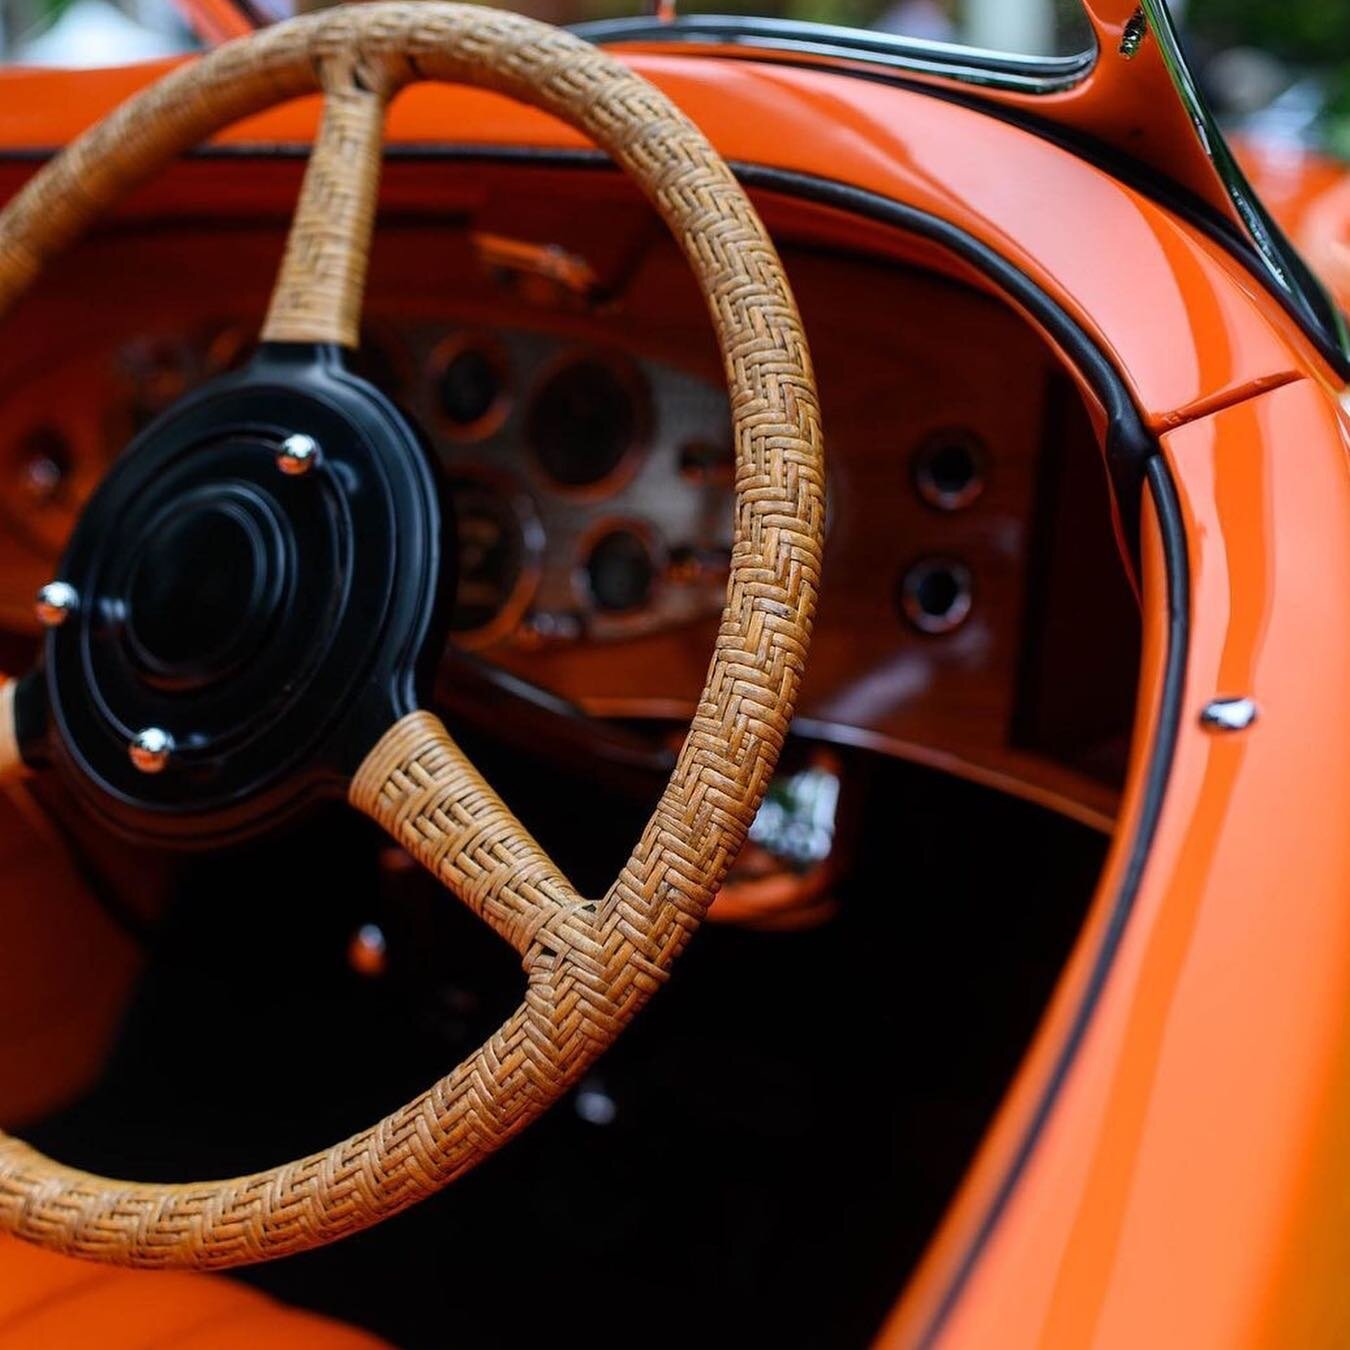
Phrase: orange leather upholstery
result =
(55, 1303)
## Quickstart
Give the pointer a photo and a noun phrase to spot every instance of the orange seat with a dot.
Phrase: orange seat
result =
(55, 1303)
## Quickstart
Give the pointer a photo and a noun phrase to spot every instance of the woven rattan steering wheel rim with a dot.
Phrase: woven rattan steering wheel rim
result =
(590, 965)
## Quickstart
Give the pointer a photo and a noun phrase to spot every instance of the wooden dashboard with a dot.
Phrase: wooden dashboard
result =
(542, 330)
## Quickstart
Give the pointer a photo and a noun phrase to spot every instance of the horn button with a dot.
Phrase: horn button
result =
(206, 585)
(273, 624)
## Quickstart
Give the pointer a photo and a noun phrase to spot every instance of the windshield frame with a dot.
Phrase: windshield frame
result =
(1092, 102)
(1035, 75)
(1130, 103)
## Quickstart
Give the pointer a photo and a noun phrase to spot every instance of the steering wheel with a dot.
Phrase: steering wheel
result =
(250, 605)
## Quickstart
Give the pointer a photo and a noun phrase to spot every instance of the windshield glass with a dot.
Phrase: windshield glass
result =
(1019, 27)
(91, 32)
(1015, 27)
(1277, 70)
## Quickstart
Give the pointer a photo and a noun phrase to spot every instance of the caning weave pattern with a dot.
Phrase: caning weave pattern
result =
(590, 965)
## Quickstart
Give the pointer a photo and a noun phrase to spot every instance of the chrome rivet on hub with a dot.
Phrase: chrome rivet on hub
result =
(56, 602)
(1228, 714)
(298, 455)
(151, 749)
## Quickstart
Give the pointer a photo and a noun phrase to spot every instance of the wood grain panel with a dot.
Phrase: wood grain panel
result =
(901, 350)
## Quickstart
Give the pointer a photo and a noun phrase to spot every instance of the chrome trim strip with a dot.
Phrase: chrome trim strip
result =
(1284, 267)
(1272, 256)
(970, 65)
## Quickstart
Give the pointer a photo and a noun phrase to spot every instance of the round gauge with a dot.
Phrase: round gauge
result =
(44, 457)
(587, 416)
(498, 543)
(620, 570)
(468, 375)
(937, 594)
(38, 496)
(948, 468)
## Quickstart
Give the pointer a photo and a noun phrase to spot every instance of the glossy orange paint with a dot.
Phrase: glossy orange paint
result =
(1126, 103)
(1126, 268)
(52, 1302)
(67, 970)
(1188, 1187)
(933, 1279)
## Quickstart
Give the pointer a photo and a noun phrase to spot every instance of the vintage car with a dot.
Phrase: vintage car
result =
(877, 510)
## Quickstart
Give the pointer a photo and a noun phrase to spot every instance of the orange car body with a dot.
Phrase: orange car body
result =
(1170, 1165)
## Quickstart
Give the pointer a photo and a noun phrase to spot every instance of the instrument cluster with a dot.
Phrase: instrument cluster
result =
(586, 436)
(592, 490)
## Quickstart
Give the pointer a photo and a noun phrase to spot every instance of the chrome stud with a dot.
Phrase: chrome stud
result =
(151, 749)
(1228, 714)
(298, 455)
(56, 602)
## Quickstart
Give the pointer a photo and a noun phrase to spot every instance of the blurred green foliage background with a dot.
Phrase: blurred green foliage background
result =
(1308, 35)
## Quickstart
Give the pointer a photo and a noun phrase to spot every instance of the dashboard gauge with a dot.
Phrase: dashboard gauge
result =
(499, 540)
(470, 377)
(44, 458)
(621, 570)
(937, 594)
(949, 468)
(587, 418)
(38, 498)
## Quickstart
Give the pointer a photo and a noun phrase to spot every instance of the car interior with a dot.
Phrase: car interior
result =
(831, 1049)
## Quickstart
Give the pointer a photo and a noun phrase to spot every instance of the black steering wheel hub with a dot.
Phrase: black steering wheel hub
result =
(205, 588)
(272, 616)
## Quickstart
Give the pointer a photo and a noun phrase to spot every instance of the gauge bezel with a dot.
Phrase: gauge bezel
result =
(616, 622)
(924, 621)
(533, 540)
(438, 361)
(922, 462)
(634, 381)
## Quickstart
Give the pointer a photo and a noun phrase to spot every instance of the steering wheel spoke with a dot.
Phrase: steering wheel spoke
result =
(421, 787)
(320, 289)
